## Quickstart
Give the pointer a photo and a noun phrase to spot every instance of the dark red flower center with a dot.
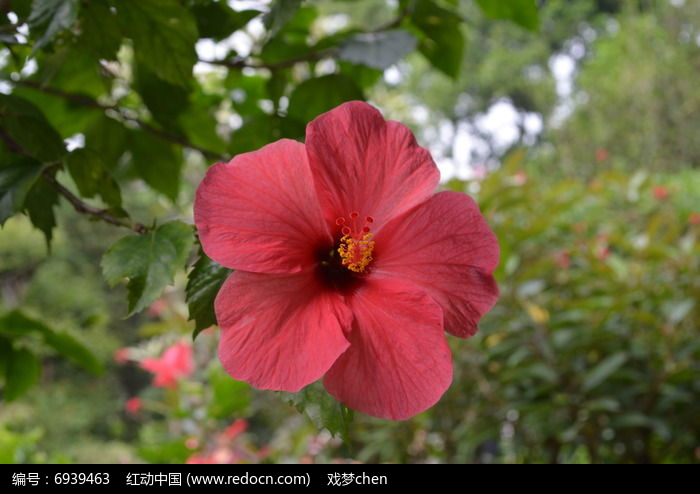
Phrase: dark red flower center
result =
(348, 260)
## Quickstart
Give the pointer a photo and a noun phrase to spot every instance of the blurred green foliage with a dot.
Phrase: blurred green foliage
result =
(639, 98)
(591, 354)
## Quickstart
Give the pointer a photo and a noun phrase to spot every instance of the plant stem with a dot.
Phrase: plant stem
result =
(84, 208)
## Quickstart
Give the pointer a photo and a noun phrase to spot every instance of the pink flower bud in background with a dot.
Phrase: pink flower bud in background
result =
(122, 355)
(563, 259)
(192, 443)
(520, 178)
(133, 405)
(601, 155)
(157, 308)
(175, 364)
(235, 429)
(660, 192)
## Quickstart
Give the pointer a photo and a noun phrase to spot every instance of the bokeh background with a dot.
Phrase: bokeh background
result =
(575, 124)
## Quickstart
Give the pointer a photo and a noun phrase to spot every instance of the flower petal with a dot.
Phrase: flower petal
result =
(398, 363)
(163, 374)
(360, 162)
(178, 359)
(259, 212)
(445, 247)
(281, 331)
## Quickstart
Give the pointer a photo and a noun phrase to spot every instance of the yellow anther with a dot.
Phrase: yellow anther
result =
(356, 254)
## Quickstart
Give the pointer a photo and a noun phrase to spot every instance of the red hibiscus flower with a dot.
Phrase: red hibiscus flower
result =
(175, 364)
(347, 265)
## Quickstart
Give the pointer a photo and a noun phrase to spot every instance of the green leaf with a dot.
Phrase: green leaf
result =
(604, 404)
(291, 41)
(279, 15)
(16, 325)
(22, 8)
(203, 283)
(229, 396)
(315, 96)
(157, 162)
(322, 409)
(27, 127)
(365, 77)
(17, 175)
(378, 50)
(73, 350)
(677, 310)
(55, 15)
(632, 419)
(164, 100)
(92, 177)
(253, 134)
(443, 43)
(276, 85)
(521, 12)
(149, 261)
(264, 129)
(5, 351)
(603, 370)
(217, 20)
(198, 123)
(22, 372)
(248, 90)
(75, 71)
(66, 117)
(164, 34)
(100, 31)
(173, 452)
(108, 138)
(39, 204)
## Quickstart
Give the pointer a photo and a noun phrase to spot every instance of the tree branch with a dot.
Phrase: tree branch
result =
(84, 208)
(75, 98)
(240, 63)
(92, 103)
(405, 12)
(79, 205)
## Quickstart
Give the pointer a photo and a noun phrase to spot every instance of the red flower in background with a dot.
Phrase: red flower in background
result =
(157, 308)
(175, 364)
(226, 448)
(347, 266)
(694, 218)
(133, 405)
(520, 178)
(563, 258)
(660, 192)
(122, 355)
(601, 155)
(236, 429)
